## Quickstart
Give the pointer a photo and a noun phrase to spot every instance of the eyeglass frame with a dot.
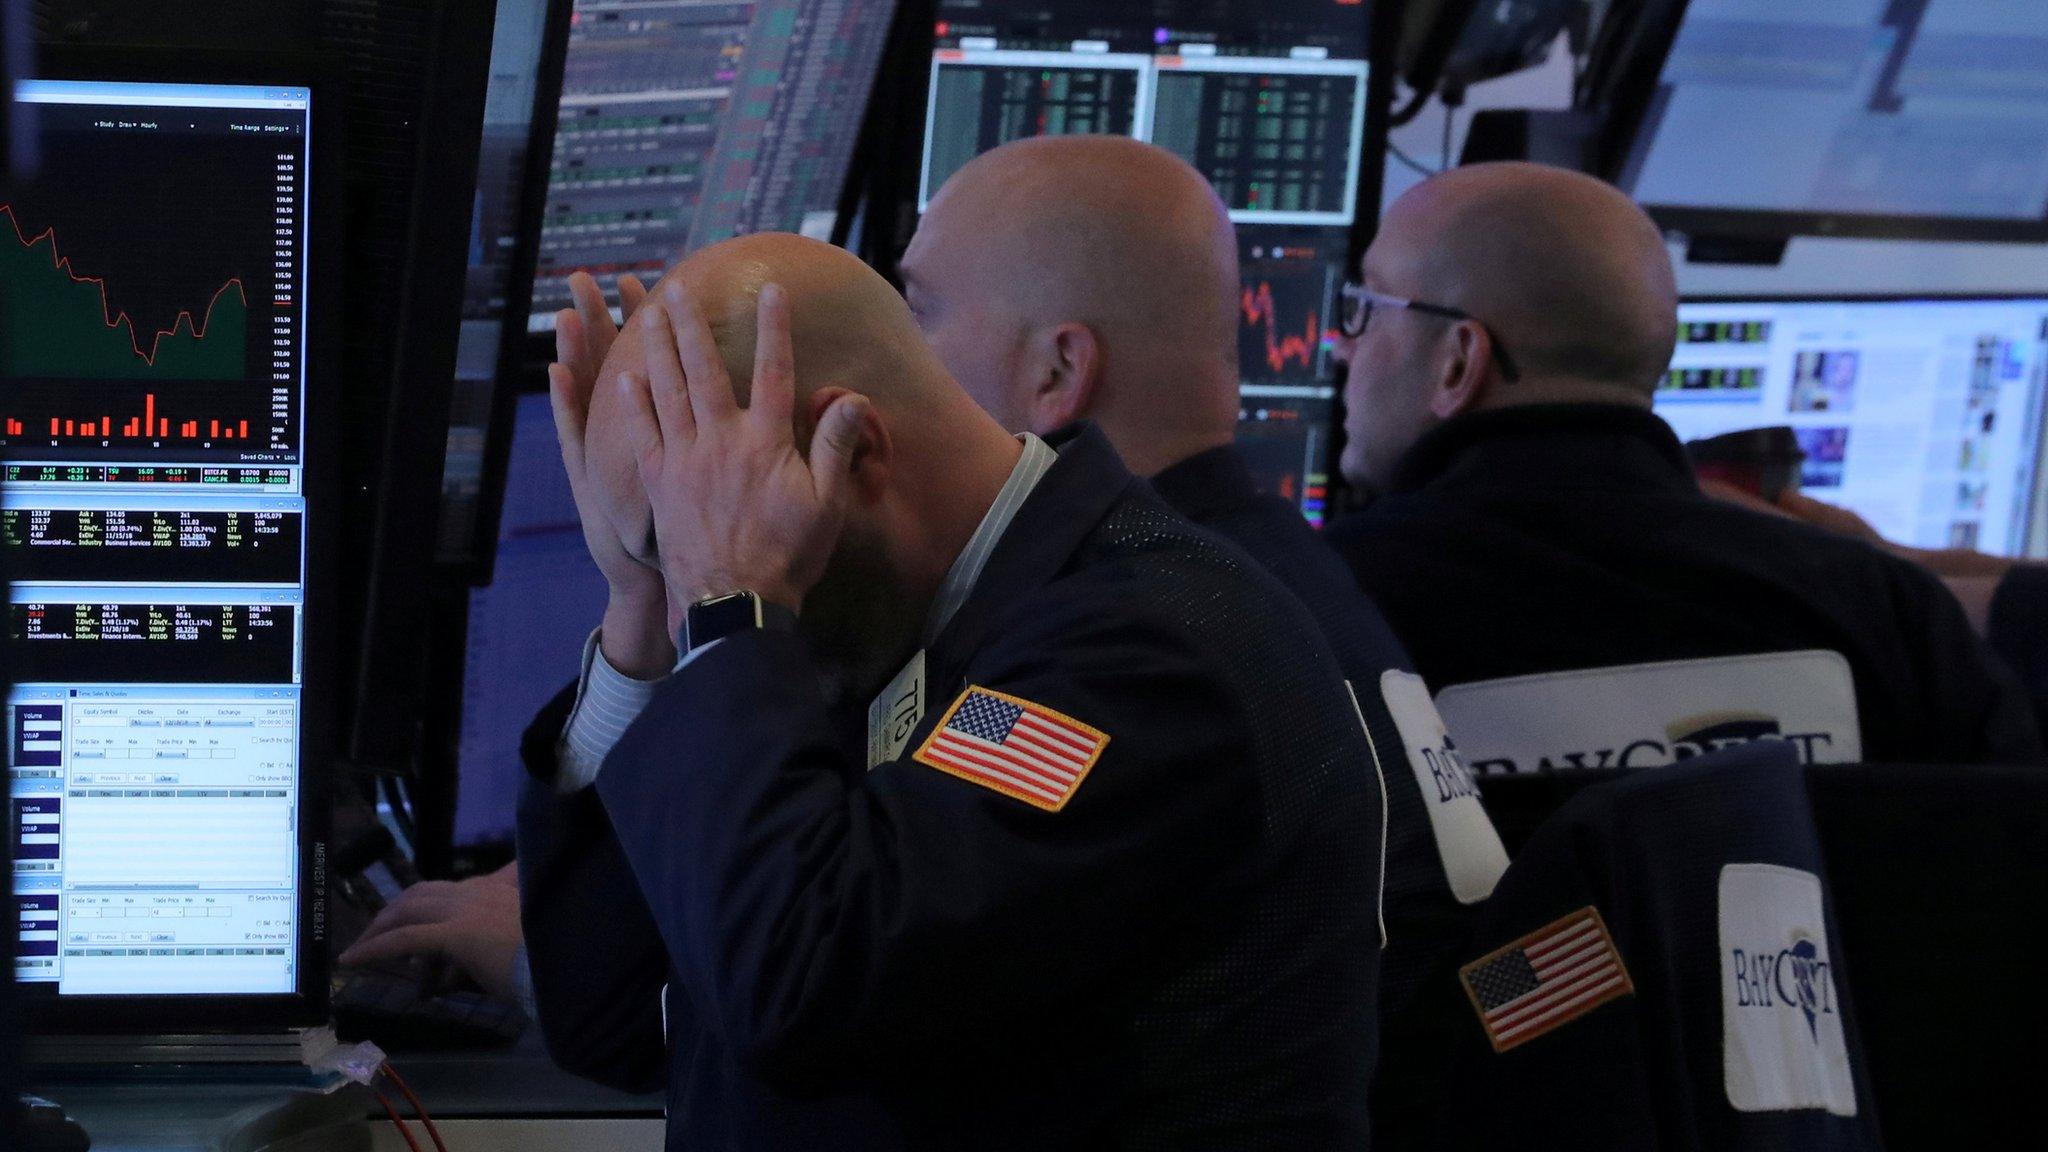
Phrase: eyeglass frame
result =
(1361, 301)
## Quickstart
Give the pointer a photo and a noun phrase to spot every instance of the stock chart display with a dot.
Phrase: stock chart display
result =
(149, 287)
(154, 525)
(1266, 100)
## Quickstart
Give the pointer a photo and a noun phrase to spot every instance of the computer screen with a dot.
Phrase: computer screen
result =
(154, 304)
(496, 295)
(526, 630)
(1923, 416)
(1933, 109)
(687, 122)
(1268, 101)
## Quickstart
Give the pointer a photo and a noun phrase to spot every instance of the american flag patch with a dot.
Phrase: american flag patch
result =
(1550, 977)
(1008, 744)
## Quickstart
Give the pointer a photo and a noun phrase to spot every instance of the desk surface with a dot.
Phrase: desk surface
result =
(512, 1098)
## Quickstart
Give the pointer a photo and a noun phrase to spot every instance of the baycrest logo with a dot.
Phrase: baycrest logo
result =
(1679, 742)
(1796, 977)
(1447, 770)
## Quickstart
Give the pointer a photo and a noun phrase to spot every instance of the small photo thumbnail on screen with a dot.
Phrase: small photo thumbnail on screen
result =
(1963, 534)
(1824, 382)
(1826, 451)
(1729, 383)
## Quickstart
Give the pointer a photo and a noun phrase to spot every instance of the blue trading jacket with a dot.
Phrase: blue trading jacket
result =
(1183, 956)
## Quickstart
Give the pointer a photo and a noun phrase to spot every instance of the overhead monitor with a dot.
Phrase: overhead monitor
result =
(159, 412)
(518, 130)
(1852, 117)
(1268, 101)
(687, 122)
(1923, 416)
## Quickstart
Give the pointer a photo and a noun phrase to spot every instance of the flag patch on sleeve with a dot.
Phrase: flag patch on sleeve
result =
(1009, 745)
(1548, 978)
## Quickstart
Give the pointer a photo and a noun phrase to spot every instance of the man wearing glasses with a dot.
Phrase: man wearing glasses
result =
(1540, 544)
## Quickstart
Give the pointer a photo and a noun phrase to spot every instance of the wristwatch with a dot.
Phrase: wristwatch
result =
(716, 617)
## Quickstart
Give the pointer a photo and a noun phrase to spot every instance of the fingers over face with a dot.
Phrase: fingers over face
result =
(570, 346)
(706, 384)
(632, 294)
(774, 391)
(640, 426)
(834, 445)
(667, 382)
(594, 312)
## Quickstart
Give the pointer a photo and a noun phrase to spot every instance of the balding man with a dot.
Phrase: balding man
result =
(1541, 545)
(1095, 277)
(1096, 868)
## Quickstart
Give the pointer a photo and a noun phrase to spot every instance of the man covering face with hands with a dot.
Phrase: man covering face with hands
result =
(992, 805)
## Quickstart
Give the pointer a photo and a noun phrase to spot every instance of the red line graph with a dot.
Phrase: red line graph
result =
(1258, 308)
(113, 319)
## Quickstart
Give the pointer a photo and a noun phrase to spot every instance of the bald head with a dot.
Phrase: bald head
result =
(927, 454)
(848, 325)
(1571, 276)
(1038, 239)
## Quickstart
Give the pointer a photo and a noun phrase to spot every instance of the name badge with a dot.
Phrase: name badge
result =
(895, 714)
(1466, 839)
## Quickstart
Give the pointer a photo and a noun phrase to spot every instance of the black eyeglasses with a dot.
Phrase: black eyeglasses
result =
(1359, 302)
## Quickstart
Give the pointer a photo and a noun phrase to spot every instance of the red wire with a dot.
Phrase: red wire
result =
(418, 1108)
(400, 1124)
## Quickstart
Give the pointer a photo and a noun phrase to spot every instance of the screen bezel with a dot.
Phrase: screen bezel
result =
(43, 1011)
(1636, 81)
(518, 372)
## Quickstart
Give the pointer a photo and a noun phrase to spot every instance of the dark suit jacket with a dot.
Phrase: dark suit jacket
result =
(1183, 955)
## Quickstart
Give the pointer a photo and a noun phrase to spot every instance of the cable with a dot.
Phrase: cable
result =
(396, 1120)
(418, 1108)
(1408, 161)
(1412, 108)
(1450, 110)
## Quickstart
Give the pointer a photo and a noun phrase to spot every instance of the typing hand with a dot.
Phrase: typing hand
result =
(736, 506)
(473, 924)
(635, 636)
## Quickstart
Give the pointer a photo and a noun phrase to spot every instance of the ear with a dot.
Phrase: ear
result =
(1070, 367)
(1465, 378)
(874, 455)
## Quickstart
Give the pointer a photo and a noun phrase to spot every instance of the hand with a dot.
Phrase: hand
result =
(590, 324)
(1742, 497)
(1832, 517)
(1951, 564)
(473, 924)
(736, 506)
(635, 636)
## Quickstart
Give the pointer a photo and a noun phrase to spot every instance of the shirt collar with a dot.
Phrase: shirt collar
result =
(1032, 465)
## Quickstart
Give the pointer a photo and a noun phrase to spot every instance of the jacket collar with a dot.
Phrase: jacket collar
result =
(1569, 445)
(1068, 503)
(1207, 484)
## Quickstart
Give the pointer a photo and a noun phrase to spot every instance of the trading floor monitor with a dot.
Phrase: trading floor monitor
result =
(1915, 118)
(163, 316)
(687, 122)
(620, 135)
(527, 45)
(1923, 416)
(1268, 101)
